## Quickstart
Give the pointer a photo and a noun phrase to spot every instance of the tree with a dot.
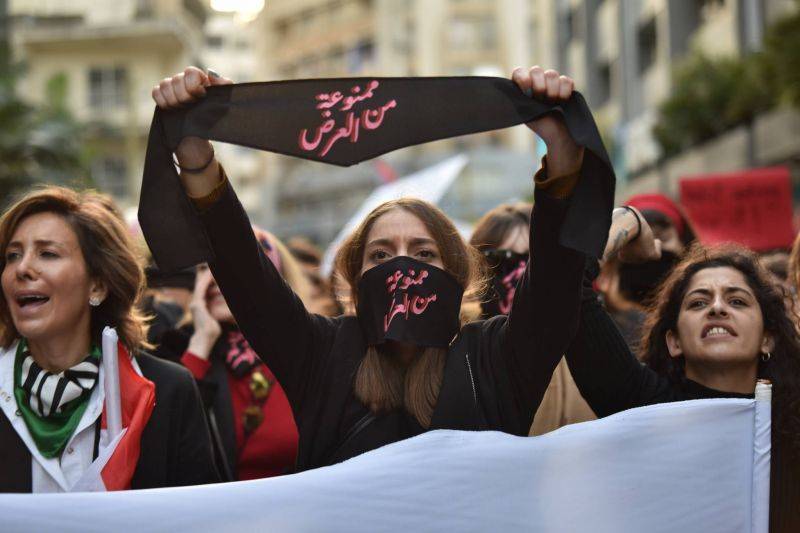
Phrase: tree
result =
(37, 143)
(782, 57)
(713, 95)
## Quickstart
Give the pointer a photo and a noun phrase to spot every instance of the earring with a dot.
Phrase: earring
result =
(94, 301)
(766, 356)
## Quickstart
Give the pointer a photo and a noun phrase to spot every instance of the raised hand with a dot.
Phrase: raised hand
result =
(192, 152)
(206, 329)
(549, 85)
(185, 87)
(631, 237)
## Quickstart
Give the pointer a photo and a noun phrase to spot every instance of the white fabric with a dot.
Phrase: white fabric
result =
(762, 448)
(110, 364)
(686, 467)
(54, 474)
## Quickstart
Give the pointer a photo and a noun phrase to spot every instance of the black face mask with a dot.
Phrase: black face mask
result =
(507, 268)
(409, 301)
(638, 282)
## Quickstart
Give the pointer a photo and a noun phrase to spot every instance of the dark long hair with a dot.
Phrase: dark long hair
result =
(495, 225)
(783, 367)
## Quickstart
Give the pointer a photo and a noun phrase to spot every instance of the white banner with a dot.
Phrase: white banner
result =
(699, 466)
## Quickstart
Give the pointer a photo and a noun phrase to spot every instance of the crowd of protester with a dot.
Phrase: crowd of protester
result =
(262, 366)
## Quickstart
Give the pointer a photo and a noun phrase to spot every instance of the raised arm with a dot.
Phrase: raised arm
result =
(272, 318)
(605, 370)
(544, 315)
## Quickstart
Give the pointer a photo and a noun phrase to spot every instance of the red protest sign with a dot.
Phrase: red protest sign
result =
(750, 207)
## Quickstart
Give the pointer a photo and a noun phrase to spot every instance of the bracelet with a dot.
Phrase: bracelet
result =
(638, 221)
(198, 169)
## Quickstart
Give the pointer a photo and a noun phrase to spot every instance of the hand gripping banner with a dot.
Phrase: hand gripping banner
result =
(347, 121)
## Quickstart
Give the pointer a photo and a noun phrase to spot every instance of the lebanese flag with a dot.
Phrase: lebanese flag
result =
(137, 400)
(114, 467)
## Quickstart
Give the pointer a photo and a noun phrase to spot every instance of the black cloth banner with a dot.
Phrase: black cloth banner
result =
(346, 121)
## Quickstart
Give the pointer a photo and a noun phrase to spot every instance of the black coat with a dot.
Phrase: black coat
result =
(215, 393)
(496, 370)
(175, 444)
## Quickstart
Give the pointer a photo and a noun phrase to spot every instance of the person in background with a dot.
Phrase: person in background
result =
(717, 325)
(628, 288)
(501, 235)
(323, 300)
(252, 423)
(777, 264)
(69, 270)
(166, 300)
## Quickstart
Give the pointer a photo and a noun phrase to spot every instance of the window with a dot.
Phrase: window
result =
(603, 83)
(646, 41)
(107, 88)
(214, 41)
(473, 33)
(360, 57)
(572, 25)
(110, 175)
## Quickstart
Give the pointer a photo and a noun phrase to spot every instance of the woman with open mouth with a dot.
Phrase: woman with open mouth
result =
(717, 325)
(68, 271)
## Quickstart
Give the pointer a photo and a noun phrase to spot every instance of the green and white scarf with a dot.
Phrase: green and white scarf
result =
(52, 404)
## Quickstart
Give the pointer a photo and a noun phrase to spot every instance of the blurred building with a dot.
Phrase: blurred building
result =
(621, 54)
(110, 54)
(229, 48)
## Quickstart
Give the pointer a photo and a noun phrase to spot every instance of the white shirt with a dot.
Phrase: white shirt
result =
(58, 474)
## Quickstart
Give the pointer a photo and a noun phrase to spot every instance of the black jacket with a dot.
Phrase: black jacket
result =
(215, 393)
(611, 380)
(175, 446)
(495, 373)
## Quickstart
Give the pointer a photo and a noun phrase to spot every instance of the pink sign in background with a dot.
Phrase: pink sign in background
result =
(750, 207)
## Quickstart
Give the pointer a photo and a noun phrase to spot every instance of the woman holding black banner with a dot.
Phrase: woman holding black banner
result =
(717, 325)
(403, 365)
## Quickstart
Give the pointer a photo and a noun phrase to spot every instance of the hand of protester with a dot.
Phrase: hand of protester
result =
(192, 152)
(549, 85)
(206, 329)
(642, 245)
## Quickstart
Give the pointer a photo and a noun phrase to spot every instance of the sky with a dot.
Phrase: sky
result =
(243, 7)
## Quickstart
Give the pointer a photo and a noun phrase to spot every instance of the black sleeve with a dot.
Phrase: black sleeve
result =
(607, 373)
(195, 459)
(544, 315)
(272, 317)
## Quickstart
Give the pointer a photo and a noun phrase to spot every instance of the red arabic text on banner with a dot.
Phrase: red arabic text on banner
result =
(750, 207)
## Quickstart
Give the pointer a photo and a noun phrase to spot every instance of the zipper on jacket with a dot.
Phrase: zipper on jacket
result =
(472, 382)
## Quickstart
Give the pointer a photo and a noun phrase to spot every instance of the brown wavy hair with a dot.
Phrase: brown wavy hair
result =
(381, 382)
(782, 369)
(107, 248)
(794, 264)
(493, 227)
